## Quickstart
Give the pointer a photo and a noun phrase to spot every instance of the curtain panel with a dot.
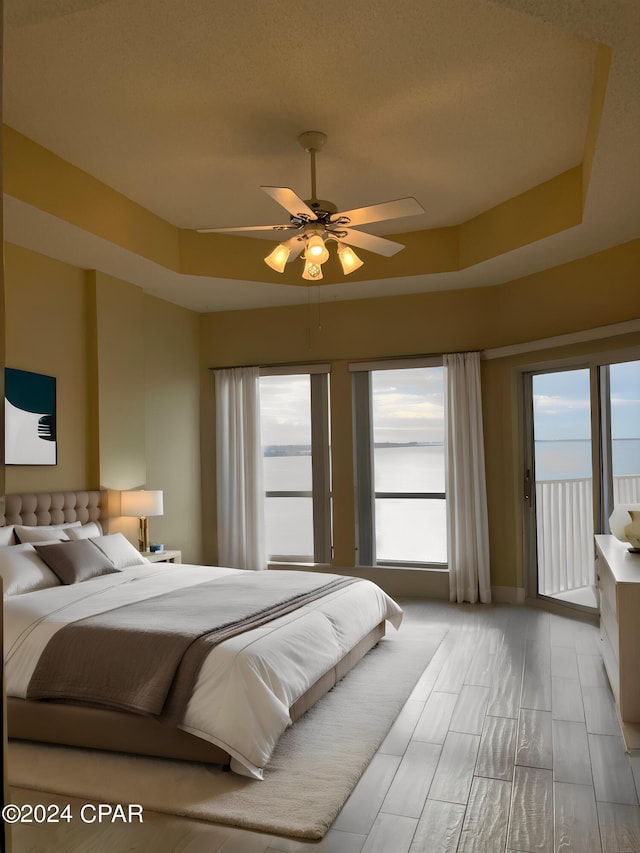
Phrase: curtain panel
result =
(239, 477)
(467, 522)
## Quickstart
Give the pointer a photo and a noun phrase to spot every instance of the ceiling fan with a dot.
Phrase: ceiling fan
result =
(316, 222)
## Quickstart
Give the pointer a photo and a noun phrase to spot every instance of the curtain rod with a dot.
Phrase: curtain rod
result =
(284, 368)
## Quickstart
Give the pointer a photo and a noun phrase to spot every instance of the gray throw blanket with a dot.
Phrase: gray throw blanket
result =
(136, 656)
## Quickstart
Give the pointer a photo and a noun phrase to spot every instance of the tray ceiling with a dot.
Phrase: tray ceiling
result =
(187, 108)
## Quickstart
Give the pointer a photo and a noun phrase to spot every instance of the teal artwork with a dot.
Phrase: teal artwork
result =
(30, 418)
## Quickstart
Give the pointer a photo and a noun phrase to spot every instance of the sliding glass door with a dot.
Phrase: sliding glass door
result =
(563, 485)
(621, 422)
(582, 457)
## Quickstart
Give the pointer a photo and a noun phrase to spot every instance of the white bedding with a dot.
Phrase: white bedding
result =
(260, 673)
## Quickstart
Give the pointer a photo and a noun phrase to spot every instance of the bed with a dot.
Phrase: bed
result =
(247, 688)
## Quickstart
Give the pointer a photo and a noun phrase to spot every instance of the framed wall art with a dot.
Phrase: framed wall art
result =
(30, 418)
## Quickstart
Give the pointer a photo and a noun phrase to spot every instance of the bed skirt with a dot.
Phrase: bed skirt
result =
(118, 731)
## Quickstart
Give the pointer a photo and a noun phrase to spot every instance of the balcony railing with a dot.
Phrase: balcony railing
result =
(564, 511)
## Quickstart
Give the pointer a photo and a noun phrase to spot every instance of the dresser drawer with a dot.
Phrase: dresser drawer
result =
(611, 666)
(609, 627)
(607, 587)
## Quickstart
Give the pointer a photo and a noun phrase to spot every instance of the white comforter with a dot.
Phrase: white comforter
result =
(242, 696)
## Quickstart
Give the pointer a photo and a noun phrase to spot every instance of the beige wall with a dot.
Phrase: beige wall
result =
(127, 371)
(589, 293)
(172, 423)
(120, 359)
(45, 310)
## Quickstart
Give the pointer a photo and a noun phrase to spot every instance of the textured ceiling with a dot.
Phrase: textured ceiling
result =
(187, 108)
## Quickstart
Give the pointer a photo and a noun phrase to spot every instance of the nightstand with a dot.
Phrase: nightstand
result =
(163, 556)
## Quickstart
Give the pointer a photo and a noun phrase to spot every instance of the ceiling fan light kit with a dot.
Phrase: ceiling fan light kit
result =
(316, 249)
(348, 258)
(278, 258)
(317, 222)
(312, 270)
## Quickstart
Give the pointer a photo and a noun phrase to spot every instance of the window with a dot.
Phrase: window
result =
(294, 415)
(400, 465)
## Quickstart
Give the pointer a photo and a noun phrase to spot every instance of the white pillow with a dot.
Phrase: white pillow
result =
(119, 550)
(22, 570)
(41, 534)
(6, 536)
(86, 531)
(44, 532)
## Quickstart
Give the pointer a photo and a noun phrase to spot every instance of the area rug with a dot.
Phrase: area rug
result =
(315, 767)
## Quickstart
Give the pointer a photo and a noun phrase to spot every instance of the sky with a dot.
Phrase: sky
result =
(285, 409)
(562, 411)
(408, 406)
(562, 408)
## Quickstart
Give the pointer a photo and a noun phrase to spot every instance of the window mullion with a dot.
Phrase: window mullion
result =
(605, 468)
(320, 467)
(421, 496)
(363, 455)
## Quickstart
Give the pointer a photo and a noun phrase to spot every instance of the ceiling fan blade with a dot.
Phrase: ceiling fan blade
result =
(248, 229)
(379, 245)
(378, 212)
(290, 201)
(295, 246)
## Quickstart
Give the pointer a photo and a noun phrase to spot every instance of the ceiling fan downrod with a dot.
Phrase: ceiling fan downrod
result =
(313, 141)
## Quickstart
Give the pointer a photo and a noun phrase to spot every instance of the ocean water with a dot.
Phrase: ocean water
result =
(412, 468)
(568, 460)
(412, 530)
(406, 530)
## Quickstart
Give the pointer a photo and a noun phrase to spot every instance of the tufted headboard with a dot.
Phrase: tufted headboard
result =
(56, 507)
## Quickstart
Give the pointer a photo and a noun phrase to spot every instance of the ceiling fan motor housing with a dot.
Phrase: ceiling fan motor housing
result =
(322, 208)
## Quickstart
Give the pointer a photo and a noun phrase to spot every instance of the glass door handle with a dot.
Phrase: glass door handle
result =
(527, 487)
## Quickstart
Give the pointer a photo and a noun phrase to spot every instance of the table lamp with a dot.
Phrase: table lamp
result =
(141, 503)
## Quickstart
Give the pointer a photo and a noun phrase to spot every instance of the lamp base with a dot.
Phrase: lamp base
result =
(143, 534)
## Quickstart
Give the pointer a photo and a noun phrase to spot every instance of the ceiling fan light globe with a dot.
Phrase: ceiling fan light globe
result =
(349, 261)
(278, 257)
(312, 270)
(316, 249)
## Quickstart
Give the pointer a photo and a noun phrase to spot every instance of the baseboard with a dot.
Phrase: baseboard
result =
(508, 594)
(396, 582)
(408, 583)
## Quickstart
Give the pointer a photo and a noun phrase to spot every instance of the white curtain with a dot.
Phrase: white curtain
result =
(467, 526)
(241, 531)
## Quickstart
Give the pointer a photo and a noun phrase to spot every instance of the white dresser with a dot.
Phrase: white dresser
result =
(618, 574)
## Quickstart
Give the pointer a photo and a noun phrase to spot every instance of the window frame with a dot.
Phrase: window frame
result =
(363, 452)
(320, 493)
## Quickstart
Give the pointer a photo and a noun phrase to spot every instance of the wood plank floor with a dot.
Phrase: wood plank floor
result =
(509, 743)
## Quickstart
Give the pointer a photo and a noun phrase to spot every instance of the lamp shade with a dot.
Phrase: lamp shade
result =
(278, 257)
(141, 502)
(348, 258)
(312, 270)
(316, 250)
